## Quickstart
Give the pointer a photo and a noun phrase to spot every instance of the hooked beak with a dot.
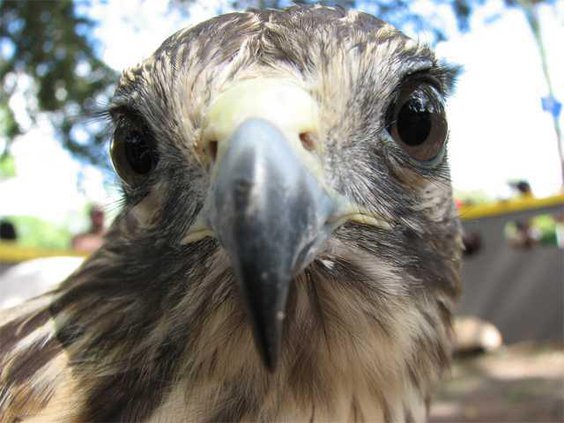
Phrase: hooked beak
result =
(271, 215)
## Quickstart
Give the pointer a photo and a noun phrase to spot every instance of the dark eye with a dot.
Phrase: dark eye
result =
(133, 153)
(417, 122)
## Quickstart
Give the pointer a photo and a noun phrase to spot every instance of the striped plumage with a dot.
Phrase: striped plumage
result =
(154, 325)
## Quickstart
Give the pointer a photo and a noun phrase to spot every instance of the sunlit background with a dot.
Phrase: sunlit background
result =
(58, 63)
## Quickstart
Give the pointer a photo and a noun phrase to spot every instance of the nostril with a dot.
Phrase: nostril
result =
(212, 149)
(308, 141)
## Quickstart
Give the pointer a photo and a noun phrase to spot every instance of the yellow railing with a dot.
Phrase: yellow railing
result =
(11, 252)
(509, 206)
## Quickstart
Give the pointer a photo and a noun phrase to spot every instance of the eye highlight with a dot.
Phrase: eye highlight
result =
(417, 122)
(133, 152)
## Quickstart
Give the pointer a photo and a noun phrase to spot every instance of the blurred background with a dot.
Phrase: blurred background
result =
(59, 62)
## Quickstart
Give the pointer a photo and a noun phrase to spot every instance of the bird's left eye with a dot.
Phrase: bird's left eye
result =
(417, 122)
(133, 153)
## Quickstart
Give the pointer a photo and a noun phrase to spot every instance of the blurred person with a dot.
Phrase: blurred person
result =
(522, 189)
(521, 234)
(92, 239)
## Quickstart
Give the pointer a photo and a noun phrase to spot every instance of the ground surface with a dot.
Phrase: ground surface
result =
(519, 383)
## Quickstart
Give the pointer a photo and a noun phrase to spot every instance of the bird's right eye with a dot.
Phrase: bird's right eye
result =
(133, 152)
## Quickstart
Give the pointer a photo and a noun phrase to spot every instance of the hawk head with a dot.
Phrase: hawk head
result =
(288, 246)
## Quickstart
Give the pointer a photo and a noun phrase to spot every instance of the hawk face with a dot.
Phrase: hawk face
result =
(285, 180)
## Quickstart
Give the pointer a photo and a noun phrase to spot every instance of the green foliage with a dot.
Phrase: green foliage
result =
(50, 43)
(7, 166)
(546, 227)
(35, 232)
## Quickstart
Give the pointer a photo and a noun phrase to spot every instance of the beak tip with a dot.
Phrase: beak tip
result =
(268, 343)
(270, 361)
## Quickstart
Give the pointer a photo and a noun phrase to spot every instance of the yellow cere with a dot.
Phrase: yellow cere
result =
(284, 104)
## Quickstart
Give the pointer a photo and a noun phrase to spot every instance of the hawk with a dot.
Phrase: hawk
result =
(288, 247)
